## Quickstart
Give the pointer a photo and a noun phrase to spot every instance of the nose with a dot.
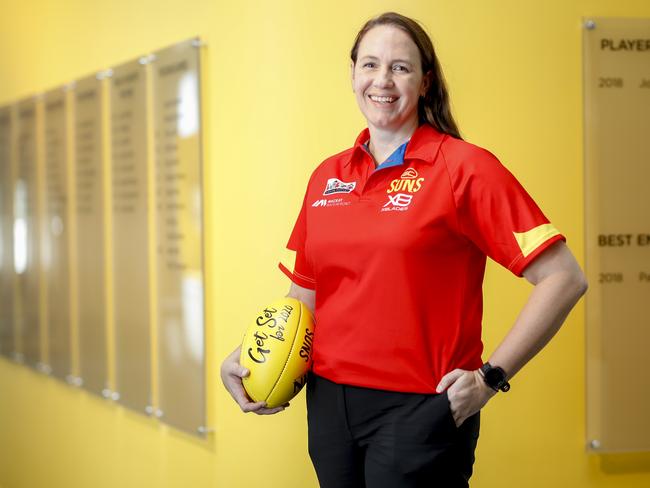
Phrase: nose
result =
(384, 78)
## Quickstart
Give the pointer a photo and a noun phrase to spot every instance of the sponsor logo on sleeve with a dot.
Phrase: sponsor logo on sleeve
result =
(334, 185)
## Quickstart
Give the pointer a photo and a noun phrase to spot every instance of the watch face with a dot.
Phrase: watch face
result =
(494, 377)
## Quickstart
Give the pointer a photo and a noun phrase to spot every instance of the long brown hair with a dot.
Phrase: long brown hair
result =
(434, 107)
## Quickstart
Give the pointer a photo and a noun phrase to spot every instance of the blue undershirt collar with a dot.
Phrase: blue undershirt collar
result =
(395, 159)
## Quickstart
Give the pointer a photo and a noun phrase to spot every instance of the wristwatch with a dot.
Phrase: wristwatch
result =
(495, 377)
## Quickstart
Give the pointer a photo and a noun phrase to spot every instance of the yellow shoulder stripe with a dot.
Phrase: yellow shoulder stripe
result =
(288, 258)
(531, 239)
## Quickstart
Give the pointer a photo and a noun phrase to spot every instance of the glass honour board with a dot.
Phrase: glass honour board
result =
(91, 249)
(617, 156)
(57, 233)
(179, 214)
(6, 234)
(130, 235)
(26, 236)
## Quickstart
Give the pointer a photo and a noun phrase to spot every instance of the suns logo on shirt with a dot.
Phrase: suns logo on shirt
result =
(408, 182)
(410, 173)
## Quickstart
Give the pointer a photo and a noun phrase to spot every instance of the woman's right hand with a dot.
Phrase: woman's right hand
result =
(231, 374)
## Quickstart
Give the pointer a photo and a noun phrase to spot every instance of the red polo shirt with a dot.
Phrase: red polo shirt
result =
(397, 255)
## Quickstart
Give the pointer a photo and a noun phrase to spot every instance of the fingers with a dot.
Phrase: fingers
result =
(231, 375)
(236, 369)
(269, 411)
(466, 394)
(449, 379)
(260, 408)
(239, 394)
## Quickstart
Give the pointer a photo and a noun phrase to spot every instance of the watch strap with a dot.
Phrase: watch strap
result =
(495, 377)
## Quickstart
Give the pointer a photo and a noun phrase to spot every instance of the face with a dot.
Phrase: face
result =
(387, 78)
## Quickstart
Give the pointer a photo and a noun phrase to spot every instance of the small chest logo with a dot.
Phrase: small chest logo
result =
(410, 173)
(334, 185)
(332, 202)
(408, 182)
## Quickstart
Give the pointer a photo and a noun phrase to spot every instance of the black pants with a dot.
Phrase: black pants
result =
(365, 438)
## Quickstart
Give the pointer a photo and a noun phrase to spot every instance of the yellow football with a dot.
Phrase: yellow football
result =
(277, 351)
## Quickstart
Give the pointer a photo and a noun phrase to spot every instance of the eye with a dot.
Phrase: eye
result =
(369, 64)
(400, 67)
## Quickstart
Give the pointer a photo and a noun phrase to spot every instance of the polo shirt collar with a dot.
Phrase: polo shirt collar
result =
(395, 159)
(424, 144)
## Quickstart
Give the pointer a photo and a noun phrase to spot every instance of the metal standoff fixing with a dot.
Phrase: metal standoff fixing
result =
(202, 429)
(594, 444)
(43, 368)
(106, 393)
(149, 58)
(197, 43)
(148, 410)
(158, 413)
(115, 396)
(107, 73)
(590, 24)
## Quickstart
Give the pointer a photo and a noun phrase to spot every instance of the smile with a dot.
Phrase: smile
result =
(382, 99)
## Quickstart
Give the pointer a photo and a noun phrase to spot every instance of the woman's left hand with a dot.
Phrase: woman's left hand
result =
(467, 392)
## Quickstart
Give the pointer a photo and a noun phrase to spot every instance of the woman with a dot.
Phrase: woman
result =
(391, 244)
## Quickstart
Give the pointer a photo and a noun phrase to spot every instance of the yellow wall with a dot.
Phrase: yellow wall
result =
(278, 100)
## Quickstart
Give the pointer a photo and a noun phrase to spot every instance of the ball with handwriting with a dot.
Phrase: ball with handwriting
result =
(277, 350)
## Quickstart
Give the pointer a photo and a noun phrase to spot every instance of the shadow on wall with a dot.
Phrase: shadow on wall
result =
(625, 463)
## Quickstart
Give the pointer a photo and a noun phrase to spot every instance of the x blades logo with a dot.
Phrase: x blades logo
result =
(399, 202)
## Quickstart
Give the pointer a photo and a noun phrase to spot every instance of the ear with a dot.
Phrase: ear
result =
(352, 74)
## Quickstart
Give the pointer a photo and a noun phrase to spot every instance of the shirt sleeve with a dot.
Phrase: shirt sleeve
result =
(302, 274)
(498, 215)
